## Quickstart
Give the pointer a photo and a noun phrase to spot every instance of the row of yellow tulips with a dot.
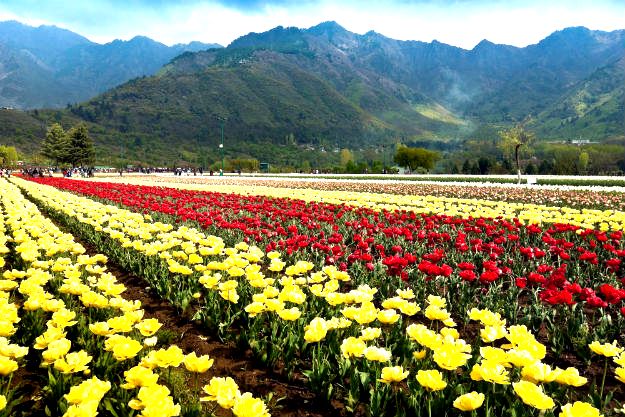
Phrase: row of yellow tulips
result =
(88, 328)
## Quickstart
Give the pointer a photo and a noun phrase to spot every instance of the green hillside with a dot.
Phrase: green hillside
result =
(593, 110)
(21, 130)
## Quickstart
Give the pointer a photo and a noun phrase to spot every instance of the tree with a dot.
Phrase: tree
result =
(512, 140)
(546, 166)
(582, 164)
(346, 156)
(412, 158)
(54, 144)
(8, 156)
(80, 149)
(484, 164)
(566, 160)
(466, 167)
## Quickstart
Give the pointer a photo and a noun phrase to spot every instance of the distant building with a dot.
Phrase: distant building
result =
(577, 142)
(582, 142)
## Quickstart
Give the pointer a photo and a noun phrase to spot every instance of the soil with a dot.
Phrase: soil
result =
(288, 399)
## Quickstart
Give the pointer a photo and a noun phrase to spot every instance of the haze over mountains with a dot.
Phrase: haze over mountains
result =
(328, 87)
(47, 66)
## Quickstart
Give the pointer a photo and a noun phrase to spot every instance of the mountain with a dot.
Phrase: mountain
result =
(325, 88)
(549, 69)
(51, 67)
(593, 109)
(409, 88)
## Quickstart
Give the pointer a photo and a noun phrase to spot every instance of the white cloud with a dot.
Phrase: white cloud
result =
(6, 15)
(462, 24)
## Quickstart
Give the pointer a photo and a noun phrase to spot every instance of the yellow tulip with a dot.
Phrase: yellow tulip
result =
(88, 391)
(139, 376)
(605, 349)
(469, 401)
(377, 354)
(393, 374)
(431, 380)
(290, 314)
(148, 327)
(370, 333)
(388, 316)
(248, 406)
(222, 390)
(316, 330)
(490, 372)
(533, 395)
(579, 409)
(353, 347)
(7, 366)
(73, 362)
(197, 364)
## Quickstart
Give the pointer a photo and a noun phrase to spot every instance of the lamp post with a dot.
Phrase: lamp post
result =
(384, 159)
(221, 145)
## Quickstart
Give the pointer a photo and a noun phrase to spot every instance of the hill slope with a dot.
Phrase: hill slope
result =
(594, 109)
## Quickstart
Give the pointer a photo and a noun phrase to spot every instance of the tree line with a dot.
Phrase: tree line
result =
(489, 151)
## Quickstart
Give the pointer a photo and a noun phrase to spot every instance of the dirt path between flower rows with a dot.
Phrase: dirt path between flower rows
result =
(289, 398)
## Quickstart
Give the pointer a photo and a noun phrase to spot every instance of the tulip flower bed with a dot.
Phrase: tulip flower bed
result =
(172, 198)
(552, 196)
(356, 314)
(65, 322)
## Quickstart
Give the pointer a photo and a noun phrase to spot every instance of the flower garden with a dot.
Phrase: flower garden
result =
(382, 304)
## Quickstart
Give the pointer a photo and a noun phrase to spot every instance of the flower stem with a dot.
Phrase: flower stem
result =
(605, 371)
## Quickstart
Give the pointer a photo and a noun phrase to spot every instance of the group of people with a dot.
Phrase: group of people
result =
(37, 172)
(189, 171)
(82, 171)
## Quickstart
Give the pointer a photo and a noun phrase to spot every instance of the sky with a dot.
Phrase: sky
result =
(462, 23)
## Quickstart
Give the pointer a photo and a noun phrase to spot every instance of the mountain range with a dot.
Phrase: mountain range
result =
(47, 66)
(328, 87)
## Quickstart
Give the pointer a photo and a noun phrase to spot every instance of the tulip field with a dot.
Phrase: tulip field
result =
(438, 302)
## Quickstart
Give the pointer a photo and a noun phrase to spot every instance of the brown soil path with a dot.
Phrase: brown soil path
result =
(290, 398)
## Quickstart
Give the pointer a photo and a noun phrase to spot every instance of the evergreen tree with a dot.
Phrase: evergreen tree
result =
(80, 150)
(54, 144)
(484, 165)
(466, 167)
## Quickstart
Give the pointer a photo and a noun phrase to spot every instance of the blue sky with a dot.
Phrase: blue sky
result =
(458, 22)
